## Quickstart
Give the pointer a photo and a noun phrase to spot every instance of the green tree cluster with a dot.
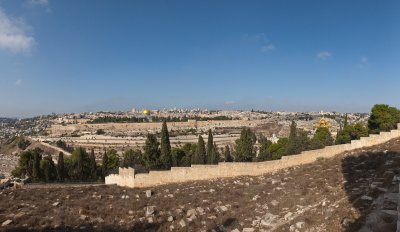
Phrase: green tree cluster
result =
(383, 118)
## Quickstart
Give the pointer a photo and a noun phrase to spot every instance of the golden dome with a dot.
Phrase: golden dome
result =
(323, 122)
(146, 112)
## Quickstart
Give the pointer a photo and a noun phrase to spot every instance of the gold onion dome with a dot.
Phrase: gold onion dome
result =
(146, 112)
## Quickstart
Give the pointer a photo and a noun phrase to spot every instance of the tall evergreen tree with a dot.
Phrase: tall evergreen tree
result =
(165, 149)
(92, 166)
(200, 157)
(48, 167)
(215, 156)
(210, 147)
(36, 172)
(294, 145)
(264, 153)
(152, 153)
(227, 154)
(80, 159)
(244, 146)
(104, 164)
(60, 167)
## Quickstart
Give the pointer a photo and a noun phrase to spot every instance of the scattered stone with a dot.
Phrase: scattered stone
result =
(56, 203)
(300, 225)
(149, 210)
(200, 210)
(148, 193)
(130, 212)
(365, 197)
(248, 230)
(191, 212)
(256, 197)
(170, 218)
(287, 216)
(7, 222)
(179, 211)
(19, 215)
(98, 220)
(292, 228)
(235, 230)
(223, 208)
(83, 217)
(274, 202)
(182, 223)
(150, 220)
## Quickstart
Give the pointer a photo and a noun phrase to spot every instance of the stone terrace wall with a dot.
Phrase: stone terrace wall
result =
(128, 178)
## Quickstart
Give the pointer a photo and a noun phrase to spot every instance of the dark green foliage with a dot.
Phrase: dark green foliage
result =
(214, 155)
(60, 167)
(278, 149)
(210, 147)
(298, 141)
(36, 172)
(165, 149)
(100, 132)
(152, 153)
(227, 154)
(190, 151)
(61, 144)
(132, 158)
(23, 144)
(25, 165)
(201, 151)
(104, 164)
(264, 153)
(49, 169)
(92, 166)
(80, 157)
(244, 150)
(322, 138)
(383, 118)
(351, 132)
(178, 156)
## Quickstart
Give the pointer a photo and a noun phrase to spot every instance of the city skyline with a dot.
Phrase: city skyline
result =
(72, 56)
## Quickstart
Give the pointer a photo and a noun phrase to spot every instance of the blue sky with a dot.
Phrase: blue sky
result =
(74, 56)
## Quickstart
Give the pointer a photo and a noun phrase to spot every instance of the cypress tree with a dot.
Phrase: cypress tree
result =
(165, 149)
(152, 153)
(201, 151)
(36, 167)
(214, 154)
(293, 146)
(104, 164)
(92, 166)
(80, 169)
(210, 144)
(61, 167)
(227, 154)
(244, 146)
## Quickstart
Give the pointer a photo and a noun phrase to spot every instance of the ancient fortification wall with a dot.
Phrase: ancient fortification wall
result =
(128, 178)
(151, 126)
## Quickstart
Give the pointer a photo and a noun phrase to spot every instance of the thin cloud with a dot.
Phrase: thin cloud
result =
(364, 60)
(324, 55)
(18, 82)
(267, 48)
(40, 2)
(13, 35)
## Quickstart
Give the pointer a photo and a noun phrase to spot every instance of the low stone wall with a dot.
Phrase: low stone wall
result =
(128, 178)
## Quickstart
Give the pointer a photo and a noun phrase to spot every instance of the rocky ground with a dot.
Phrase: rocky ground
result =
(352, 191)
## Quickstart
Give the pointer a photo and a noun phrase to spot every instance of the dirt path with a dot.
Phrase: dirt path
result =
(329, 195)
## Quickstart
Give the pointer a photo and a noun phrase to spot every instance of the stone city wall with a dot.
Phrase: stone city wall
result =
(58, 129)
(128, 178)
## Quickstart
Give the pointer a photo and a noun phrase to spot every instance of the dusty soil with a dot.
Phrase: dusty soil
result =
(335, 194)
